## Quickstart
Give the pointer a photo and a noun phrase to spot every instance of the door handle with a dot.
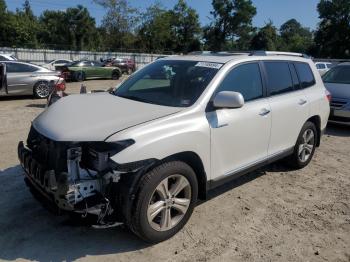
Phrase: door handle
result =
(264, 112)
(302, 102)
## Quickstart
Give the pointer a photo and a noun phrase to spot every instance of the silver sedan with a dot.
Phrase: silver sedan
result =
(28, 79)
(337, 81)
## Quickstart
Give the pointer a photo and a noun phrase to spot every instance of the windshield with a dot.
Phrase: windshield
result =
(339, 74)
(76, 63)
(169, 82)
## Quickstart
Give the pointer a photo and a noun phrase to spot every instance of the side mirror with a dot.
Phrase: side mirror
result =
(3, 77)
(228, 99)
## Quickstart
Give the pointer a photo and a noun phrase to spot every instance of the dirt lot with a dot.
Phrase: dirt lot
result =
(270, 215)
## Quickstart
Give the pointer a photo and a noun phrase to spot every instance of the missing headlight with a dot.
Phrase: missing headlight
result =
(96, 154)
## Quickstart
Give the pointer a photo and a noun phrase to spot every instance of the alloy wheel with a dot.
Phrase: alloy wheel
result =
(307, 145)
(42, 90)
(169, 203)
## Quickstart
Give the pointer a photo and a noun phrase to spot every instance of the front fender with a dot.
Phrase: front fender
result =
(165, 137)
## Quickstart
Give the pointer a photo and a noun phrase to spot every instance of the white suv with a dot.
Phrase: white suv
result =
(144, 153)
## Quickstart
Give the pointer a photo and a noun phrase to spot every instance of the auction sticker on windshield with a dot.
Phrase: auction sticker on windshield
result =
(209, 65)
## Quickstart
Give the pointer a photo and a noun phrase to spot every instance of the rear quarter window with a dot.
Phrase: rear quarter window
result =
(305, 74)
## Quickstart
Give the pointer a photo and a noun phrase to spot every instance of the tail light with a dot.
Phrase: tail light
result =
(61, 86)
(328, 96)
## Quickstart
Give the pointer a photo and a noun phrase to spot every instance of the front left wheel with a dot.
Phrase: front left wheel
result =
(165, 202)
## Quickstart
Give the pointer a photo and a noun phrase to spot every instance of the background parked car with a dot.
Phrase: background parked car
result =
(323, 67)
(57, 64)
(126, 65)
(7, 57)
(28, 79)
(81, 70)
(337, 82)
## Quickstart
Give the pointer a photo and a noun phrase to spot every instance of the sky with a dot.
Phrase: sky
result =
(278, 11)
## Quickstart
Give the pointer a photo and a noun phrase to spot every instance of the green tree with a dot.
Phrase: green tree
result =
(295, 37)
(266, 39)
(118, 24)
(22, 27)
(187, 27)
(333, 35)
(155, 33)
(71, 29)
(232, 25)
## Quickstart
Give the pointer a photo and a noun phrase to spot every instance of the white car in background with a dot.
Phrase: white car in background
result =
(57, 64)
(7, 57)
(323, 67)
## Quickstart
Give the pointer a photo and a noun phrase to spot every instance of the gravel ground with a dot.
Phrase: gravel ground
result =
(269, 215)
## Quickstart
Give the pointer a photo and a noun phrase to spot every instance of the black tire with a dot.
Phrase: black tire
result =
(79, 76)
(115, 75)
(41, 90)
(295, 160)
(139, 223)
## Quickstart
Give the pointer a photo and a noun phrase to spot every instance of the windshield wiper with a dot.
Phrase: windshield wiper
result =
(136, 98)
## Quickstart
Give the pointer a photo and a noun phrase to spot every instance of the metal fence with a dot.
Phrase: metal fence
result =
(42, 56)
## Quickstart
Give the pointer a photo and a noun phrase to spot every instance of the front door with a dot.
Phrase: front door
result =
(240, 137)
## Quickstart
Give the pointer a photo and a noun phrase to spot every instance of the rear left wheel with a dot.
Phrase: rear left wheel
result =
(305, 146)
(165, 202)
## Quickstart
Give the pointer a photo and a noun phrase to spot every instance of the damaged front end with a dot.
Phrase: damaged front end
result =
(80, 177)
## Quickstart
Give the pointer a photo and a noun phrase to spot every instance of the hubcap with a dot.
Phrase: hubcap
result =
(42, 90)
(307, 145)
(169, 203)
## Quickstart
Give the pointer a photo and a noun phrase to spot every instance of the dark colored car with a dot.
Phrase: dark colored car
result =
(81, 70)
(126, 65)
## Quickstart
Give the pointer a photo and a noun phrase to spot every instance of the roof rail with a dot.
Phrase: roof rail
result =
(250, 53)
(277, 53)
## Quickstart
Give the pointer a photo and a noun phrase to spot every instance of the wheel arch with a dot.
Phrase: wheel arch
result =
(195, 162)
(316, 120)
(117, 69)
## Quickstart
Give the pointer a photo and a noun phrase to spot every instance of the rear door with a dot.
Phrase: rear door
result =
(289, 105)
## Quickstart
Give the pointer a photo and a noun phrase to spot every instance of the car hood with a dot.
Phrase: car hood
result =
(338, 90)
(94, 117)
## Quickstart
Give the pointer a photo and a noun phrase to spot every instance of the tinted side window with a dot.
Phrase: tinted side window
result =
(321, 66)
(245, 79)
(305, 74)
(278, 77)
(20, 68)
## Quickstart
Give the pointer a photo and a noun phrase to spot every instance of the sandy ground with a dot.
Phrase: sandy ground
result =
(270, 215)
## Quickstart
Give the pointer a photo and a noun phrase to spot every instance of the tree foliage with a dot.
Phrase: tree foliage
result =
(267, 38)
(295, 37)
(158, 29)
(231, 26)
(118, 24)
(332, 38)
(156, 33)
(73, 29)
